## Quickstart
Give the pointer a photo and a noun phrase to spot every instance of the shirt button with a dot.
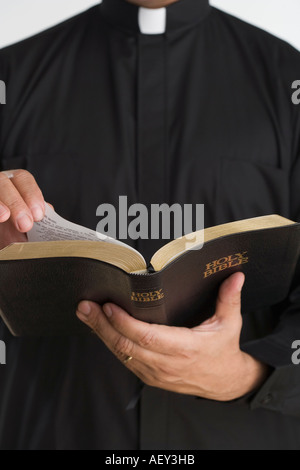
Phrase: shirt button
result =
(267, 399)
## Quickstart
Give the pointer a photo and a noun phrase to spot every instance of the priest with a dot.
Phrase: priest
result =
(160, 101)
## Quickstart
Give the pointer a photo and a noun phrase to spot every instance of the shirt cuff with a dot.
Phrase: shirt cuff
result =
(281, 391)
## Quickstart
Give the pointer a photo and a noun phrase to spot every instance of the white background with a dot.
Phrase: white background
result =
(22, 18)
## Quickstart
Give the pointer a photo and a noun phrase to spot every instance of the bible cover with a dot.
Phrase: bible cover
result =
(39, 297)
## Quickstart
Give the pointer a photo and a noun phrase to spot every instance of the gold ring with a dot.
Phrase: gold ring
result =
(128, 358)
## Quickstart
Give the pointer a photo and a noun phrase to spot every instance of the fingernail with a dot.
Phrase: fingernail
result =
(37, 213)
(84, 308)
(107, 310)
(24, 223)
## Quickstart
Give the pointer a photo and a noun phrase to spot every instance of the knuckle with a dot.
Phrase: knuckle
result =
(4, 178)
(147, 340)
(25, 180)
(122, 346)
(6, 183)
(23, 174)
(16, 204)
(27, 185)
(93, 322)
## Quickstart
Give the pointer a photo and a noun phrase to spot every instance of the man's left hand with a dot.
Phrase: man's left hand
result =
(204, 361)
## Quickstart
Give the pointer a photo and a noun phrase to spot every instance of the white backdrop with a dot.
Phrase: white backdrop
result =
(22, 18)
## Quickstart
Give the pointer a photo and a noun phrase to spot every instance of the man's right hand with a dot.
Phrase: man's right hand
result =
(21, 204)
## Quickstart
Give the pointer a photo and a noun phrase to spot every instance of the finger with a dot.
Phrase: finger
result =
(4, 213)
(157, 338)
(153, 368)
(30, 192)
(19, 211)
(9, 174)
(228, 304)
(9, 234)
(92, 315)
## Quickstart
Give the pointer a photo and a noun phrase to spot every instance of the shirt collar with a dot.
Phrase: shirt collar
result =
(131, 18)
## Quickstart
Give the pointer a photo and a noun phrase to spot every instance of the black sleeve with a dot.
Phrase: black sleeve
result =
(2, 85)
(3, 107)
(281, 392)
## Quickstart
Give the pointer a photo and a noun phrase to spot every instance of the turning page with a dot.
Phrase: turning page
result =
(56, 228)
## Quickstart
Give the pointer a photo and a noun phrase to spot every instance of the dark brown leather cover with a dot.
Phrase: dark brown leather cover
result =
(39, 297)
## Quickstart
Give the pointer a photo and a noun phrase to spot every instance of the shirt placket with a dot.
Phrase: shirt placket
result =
(151, 128)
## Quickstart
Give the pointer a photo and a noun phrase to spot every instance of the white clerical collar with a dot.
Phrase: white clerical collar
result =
(152, 20)
(133, 19)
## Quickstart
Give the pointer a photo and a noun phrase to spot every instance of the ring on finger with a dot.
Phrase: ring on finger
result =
(128, 359)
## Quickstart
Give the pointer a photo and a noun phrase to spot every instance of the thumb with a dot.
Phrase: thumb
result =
(228, 304)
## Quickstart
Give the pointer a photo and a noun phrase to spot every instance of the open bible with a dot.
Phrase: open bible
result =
(42, 281)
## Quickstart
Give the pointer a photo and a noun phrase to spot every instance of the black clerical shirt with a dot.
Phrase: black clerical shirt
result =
(200, 113)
